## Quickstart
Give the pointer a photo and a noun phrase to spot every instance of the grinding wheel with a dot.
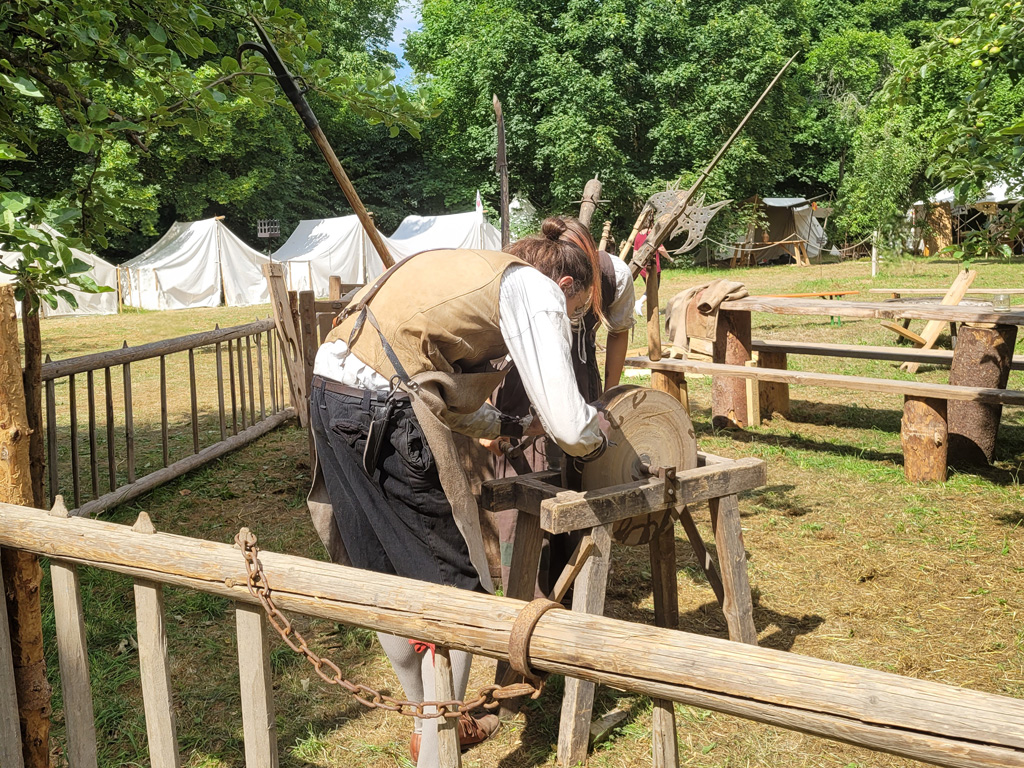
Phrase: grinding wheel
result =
(648, 428)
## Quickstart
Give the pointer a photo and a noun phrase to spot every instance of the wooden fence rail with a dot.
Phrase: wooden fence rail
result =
(251, 400)
(913, 718)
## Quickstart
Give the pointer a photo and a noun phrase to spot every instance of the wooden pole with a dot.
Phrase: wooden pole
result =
(918, 719)
(981, 359)
(22, 575)
(653, 313)
(502, 168)
(591, 196)
(628, 242)
(606, 233)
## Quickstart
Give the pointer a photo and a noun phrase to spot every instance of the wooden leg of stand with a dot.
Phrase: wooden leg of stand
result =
(449, 755)
(578, 700)
(666, 614)
(732, 561)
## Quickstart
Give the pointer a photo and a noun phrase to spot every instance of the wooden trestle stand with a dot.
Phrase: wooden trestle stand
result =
(545, 506)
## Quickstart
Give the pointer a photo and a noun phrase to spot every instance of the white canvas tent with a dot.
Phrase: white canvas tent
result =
(195, 264)
(456, 230)
(103, 272)
(319, 248)
(791, 218)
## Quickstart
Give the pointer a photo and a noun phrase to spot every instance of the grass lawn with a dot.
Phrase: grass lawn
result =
(848, 562)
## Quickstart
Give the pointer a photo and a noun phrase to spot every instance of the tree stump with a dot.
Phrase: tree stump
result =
(774, 395)
(981, 359)
(924, 437)
(729, 393)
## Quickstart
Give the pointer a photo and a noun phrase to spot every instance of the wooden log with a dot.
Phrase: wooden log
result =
(653, 314)
(10, 729)
(574, 510)
(923, 435)
(255, 677)
(732, 560)
(32, 382)
(859, 383)
(153, 480)
(606, 233)
(939, 291)
(58, 369)
(953, 296)
(774, 396)
(154, 666)
(20, 571)
(73, 657)
(732, 347)
(919, 719)
(572, 569)
(290, 347)
(664, 745)
(578, 700)
(981, 359)
(449, 754)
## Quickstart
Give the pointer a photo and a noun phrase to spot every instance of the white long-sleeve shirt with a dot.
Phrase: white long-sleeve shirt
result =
(535, 327)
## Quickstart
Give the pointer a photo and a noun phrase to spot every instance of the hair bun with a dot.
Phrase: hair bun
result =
(553, 227)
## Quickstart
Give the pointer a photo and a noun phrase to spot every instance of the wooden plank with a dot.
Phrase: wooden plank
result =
(240, 360)
(73, 658)
(272, 372)
(914, 718)
(934, 327)
(290, 346)
(940, 291)
(753, 398)
(10, 731)
(664, 745)
(574, 510)
(111, 461)
(57, 369)
(259, 725)
(700, 551)
(893, 310)
(906, 333)
(163, 411)
(193, 401)
(231, 388)
(76, 480)
(861, 352)
(129, 420)
(578, 699)
(220, 394)
(259, 368)
(572, 569)
(858, 383)
(522, 578)
(449, 754)
(94, 466)
(500, 494)
(732, 347)
(154, 664)
(51, 440)
(307, 330)
(324, 325)
(732, 560)
(251, 381)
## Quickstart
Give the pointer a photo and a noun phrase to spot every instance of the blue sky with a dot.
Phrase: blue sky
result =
(408, 19)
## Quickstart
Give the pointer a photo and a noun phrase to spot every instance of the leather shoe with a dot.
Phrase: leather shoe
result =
(472, 730)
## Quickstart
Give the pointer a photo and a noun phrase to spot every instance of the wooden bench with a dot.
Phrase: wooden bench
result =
(978, 371)
(898, 292)
(943, 357)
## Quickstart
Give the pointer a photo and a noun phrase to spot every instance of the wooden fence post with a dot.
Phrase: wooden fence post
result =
(258, 722)
(728, 393)
(290, 348)
(22, 575)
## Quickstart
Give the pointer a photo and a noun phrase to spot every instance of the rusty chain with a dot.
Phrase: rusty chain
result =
(488, 697)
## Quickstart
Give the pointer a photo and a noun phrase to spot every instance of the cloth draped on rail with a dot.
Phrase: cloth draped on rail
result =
(691, 316)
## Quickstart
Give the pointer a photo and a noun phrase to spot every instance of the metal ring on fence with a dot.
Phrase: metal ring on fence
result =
(522, 631)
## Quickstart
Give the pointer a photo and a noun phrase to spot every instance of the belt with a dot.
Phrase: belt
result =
(319, 382)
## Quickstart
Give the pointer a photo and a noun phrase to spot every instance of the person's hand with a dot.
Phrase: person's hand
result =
(603, 422)
(494, 446)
